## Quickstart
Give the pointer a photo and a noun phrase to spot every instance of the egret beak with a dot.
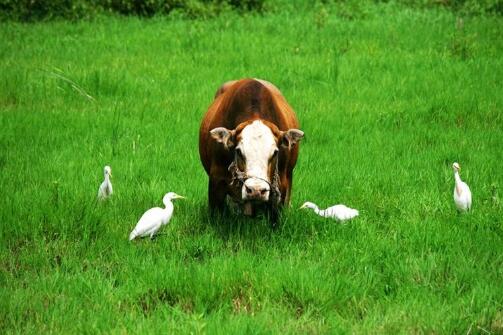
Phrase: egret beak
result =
(302, 207)
(179, 197)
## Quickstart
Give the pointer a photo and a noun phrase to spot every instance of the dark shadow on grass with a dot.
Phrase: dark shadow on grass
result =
(230, 225)
(245, 233)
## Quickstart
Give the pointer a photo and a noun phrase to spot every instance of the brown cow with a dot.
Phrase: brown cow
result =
(248, 144)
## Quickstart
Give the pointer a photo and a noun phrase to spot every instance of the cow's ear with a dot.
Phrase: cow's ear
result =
(290, 137)
(224, 136)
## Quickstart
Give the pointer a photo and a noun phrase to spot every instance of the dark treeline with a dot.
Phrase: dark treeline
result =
(35, 10)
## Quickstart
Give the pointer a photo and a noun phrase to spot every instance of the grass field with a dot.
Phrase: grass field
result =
(388, 101)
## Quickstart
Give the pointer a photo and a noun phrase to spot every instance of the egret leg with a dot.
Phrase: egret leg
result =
(155, 230)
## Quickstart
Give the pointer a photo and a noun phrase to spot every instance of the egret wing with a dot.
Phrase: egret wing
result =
(149, 220)
(463, 199)
(342, 212)
(468, 196)
(102, 190)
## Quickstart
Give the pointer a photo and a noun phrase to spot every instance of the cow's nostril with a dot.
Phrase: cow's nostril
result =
(248, 190)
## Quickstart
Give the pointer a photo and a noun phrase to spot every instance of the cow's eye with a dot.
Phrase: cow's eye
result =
(239, 154)
(275, 153)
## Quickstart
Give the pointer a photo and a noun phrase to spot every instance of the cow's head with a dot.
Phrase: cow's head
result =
(256, 146)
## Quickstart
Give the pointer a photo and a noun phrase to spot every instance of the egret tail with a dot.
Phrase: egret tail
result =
(133, 235)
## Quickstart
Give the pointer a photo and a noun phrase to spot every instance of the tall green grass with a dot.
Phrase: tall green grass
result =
(387, 101)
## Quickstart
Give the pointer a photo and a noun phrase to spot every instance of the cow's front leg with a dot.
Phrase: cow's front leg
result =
(216, 195)
(286, 188)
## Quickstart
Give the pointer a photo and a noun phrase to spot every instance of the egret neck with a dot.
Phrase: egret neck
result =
(169, 209)
(457, 178)
(320, 212)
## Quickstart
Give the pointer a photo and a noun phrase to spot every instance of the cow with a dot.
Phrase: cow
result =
(248, 145)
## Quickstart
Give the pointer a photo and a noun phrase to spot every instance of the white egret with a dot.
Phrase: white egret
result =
(338, 212)
(152, 220)
(106, 189)
(462, 193)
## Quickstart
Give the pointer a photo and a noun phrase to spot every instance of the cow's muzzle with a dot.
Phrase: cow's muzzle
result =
(256, 189)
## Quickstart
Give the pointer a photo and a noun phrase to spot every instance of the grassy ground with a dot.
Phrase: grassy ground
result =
(387, 101)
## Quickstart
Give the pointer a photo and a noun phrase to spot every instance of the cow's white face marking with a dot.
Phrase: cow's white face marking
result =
(257, 146)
